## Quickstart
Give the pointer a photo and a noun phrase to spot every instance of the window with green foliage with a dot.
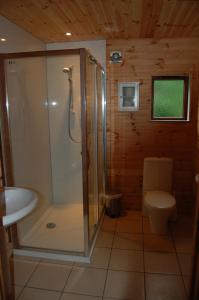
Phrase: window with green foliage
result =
(170, 97)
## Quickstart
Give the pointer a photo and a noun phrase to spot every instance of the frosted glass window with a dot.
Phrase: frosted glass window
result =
(170, 97)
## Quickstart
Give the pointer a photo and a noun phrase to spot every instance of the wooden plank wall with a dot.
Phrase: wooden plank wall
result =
(131, 136)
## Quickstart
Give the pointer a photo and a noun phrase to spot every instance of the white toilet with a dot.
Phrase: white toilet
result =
(158, 202)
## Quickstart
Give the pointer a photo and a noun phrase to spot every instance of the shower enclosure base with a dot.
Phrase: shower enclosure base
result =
(67, 234)
(53, 256)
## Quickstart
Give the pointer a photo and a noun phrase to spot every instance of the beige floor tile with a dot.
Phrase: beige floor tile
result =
(18, 290)
(183, 226)
(99, 259)
(35, 294)
(131, 215)
(146, 225)
(67, 296)
(108, 224)
(164, 287)
(133, 226)
(23, 270)
(105, 239)
(124, 285)
(183, 244)
(50, 276)
(86, 281)
(126, 260)
(185, 263)
(128, 241)
(162, 243)
(187, 280)
(165, 263)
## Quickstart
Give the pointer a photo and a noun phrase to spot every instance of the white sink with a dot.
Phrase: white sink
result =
(19, 203)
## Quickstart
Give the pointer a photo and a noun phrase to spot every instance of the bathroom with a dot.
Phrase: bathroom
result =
(130, 137)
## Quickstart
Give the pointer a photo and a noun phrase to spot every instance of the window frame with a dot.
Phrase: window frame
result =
(121, 85)
(185, 115)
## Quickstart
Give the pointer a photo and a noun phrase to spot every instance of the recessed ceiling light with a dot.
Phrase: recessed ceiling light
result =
(68, 33)
(3, 40)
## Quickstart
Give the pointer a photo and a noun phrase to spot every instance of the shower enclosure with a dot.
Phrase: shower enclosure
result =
(55, 117)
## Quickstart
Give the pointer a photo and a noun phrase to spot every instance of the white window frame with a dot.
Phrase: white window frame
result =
(121, 106)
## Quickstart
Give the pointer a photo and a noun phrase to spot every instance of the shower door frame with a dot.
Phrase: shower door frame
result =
(6, 146)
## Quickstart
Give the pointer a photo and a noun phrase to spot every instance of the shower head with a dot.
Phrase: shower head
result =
(68, 70)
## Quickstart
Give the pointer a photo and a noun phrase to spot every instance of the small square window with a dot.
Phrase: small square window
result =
(128, 96)
(170, 98)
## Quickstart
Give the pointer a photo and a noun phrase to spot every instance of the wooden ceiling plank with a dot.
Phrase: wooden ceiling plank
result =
(179, 23)
(150, 15)
(156, 11)
(192, 26)
(128, 18)
(24, 16)
(101, 17)
(57, 15)
(121, 18)
(94, 14)
(48, 20)
(193, 20)
(134, 24)
(189, 12)
(113, 27)
(110, 27)
(164, 20)
(160, 26)
(40, 22)
(78, 15)
(171, 25)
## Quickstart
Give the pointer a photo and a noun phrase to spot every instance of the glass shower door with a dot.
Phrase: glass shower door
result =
(100, 80)
(95, 115)
(91, 113)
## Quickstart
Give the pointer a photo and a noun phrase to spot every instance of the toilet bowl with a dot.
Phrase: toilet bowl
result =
(158, 202)
(160, 207)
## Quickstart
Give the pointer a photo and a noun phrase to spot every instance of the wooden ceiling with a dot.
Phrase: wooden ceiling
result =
(48, 20)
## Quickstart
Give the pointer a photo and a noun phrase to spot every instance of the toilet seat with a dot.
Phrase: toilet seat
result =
(159, 200)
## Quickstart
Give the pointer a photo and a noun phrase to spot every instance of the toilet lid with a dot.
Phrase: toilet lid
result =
(159, 199)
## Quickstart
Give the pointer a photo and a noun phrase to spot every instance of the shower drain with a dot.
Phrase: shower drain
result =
(50, 225)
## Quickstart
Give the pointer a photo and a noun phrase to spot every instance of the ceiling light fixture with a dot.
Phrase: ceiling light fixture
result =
(68, 33)
(3, 40)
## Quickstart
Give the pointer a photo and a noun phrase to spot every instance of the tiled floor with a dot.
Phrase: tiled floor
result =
(128, 262)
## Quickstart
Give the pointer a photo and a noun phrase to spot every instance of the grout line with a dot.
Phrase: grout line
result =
(25, 285)
(164, 274)
(79, 294)
(114, 233)
(41, 289)
(178, 260)
(108, 266)
(66, 281)
(33, 271)
(20, 293)
(143, 258)
(36, 267)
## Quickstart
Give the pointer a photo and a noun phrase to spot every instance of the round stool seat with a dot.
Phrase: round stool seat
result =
(159, 200)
